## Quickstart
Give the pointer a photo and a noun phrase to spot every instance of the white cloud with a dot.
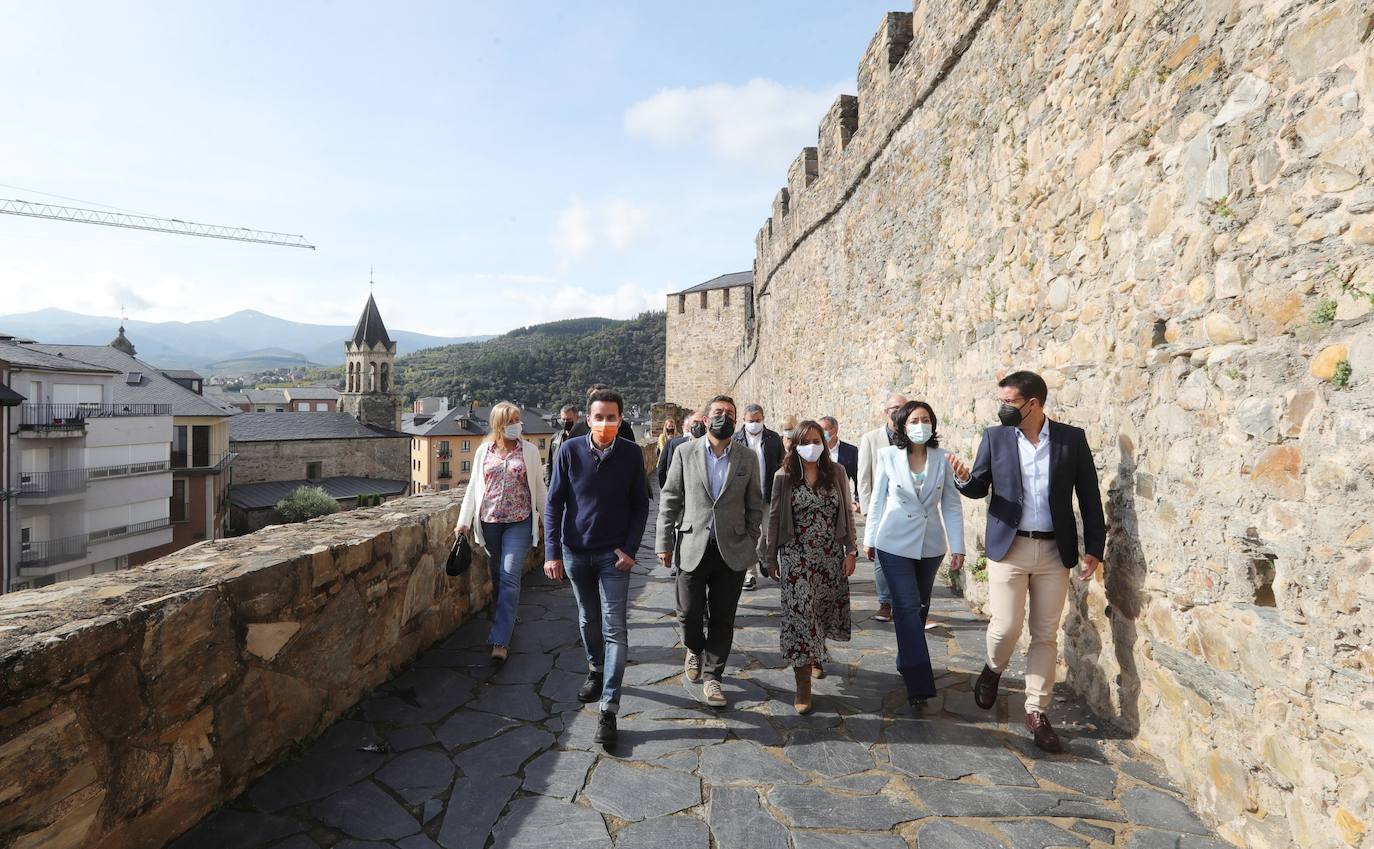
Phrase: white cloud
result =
(762, 122)
(585, 229)
(627, 301)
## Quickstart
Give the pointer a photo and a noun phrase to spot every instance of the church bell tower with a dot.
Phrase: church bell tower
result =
(369, 372)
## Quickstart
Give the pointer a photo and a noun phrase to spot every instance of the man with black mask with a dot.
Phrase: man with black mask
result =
(1033, 468)
(767, 447)
(567, 421)
(694, 427)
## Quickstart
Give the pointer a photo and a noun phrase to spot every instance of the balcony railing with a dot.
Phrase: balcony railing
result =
(42, 484)
(201, 462)
(74, 416)
(51, 552)
(445, 453)
(444, 475)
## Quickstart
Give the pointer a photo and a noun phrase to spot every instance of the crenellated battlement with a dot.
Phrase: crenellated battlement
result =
(909, 55)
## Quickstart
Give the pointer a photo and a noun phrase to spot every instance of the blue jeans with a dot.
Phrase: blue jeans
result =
(507, 544)
(880, 583)
(602, 592)
(912, 581)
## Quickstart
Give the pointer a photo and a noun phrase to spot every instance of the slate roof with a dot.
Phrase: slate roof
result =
(725, 281)
(370, 329)
(257, 496)
(265, 396)
(311, 393)
(8, 397)
(29, 356)
(181, 374)
(450, 423)
(152, 387)
(281, 427)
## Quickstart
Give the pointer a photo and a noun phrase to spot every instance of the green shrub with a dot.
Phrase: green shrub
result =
(1341, 377)
(306, 502)
(1325, 312)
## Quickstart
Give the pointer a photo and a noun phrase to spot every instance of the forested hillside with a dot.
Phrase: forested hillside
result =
(545, 365)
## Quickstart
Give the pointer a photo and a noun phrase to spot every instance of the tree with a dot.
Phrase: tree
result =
(306, 502)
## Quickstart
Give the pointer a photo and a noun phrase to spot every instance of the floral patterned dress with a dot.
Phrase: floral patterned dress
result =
(815, 591)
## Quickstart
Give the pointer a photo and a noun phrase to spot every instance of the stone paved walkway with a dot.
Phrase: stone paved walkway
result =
(457, 754)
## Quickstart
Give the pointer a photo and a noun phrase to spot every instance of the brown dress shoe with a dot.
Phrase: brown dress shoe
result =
(1045, 738)
(985, 691)
(803, 700)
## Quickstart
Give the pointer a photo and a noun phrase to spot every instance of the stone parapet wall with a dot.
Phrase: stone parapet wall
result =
(387, 458)
(1167, 209)
(133, 703)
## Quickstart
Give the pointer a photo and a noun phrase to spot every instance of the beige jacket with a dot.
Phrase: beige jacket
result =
(781, 528)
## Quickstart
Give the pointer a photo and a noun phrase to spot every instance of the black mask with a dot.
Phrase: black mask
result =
(1010, 414)
(698, 430)
(722, 426)
(568, 425)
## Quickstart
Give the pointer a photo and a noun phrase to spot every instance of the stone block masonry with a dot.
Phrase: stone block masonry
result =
(134, 703)
(1167, 209)
(703, 335)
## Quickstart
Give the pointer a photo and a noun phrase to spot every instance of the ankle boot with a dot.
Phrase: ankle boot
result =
(803, 700)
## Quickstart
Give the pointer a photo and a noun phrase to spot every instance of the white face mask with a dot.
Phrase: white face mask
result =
(788, 434)
(810, 453)
(918, 433)
(753, 428)
(513, 431)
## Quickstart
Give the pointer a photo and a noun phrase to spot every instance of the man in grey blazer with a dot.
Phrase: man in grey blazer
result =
(713, 499)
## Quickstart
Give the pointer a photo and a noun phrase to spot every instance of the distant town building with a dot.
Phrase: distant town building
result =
(295, 399)
(443, 441)
(369, 372)
(330, 450)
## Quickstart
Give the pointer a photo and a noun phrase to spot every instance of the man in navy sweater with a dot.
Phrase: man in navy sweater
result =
(594, 518)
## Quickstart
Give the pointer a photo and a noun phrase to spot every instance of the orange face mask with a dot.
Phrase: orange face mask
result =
(604, 432)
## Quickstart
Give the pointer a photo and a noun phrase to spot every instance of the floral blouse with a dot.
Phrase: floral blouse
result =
(507, 498)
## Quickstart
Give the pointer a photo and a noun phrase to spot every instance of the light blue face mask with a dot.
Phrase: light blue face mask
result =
(919, 433)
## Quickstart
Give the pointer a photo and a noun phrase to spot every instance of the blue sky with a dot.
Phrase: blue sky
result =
(499, 163)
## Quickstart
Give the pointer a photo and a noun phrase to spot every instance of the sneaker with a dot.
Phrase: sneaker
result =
(884, 613)
(605, 728)
(750, 583)
(499, 655)
(692, 667)
(591, 688)
(714, 696)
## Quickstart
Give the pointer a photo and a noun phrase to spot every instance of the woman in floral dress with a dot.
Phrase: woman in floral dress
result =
(811, 552)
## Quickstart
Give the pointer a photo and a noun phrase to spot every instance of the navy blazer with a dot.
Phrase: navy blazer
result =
(665, 460)
(997, 469)
(772, 456)
(849, 458)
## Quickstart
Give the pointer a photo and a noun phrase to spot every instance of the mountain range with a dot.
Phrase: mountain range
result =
(244, 341)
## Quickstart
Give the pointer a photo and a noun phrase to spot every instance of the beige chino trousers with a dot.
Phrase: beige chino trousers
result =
(1032, 568)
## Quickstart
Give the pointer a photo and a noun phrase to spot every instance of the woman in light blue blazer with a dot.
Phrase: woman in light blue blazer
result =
(913, 486)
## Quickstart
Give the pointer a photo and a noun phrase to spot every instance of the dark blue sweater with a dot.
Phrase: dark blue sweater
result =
(596, 505)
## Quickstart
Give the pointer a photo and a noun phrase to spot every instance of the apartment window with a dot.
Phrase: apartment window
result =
(178, 506)
(467, 445)
(200, 446)
(445, 450)
(180, 444)
(321, 407)
(445, 471)
(302, 406)
(681, 304)
(467, 465)
(314, 471)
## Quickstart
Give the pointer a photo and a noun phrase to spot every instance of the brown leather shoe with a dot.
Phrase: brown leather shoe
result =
(1045, 738)
(985, 691)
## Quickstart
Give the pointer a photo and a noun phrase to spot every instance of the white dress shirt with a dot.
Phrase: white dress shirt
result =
(1035, 481)
(755, 444)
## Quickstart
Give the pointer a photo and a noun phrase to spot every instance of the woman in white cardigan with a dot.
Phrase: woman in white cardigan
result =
(913, 486)
(504, 503)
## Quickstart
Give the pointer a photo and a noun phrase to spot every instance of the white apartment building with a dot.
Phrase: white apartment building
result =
(89, 476)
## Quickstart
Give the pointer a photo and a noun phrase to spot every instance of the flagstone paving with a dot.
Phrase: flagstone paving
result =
(455, 753)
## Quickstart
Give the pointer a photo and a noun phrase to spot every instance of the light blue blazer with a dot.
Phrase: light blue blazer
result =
(906, 522)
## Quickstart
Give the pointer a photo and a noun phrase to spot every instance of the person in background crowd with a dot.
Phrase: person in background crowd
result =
(912, 487)
(879, 437)
(567, 421)
(767, 446)
(582, 428)
(695, 428)
(1032, 467)
(845, 454)
(598, 505)
(504, 502)
(713, 504)
(811, 552)
(669, 433)
(789, 433)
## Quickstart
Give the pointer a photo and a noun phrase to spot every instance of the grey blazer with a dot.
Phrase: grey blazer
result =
(685, 507)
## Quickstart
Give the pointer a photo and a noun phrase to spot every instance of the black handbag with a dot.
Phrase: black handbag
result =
(459, 557)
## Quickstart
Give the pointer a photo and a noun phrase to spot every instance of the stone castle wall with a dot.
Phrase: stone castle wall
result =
(1167, 209)
(701, 343)
(384, 457)
(134, 703)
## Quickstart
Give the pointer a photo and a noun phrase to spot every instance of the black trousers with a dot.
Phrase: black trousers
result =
(706, 600)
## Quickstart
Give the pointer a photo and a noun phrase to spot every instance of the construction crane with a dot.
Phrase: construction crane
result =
(147, 222)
